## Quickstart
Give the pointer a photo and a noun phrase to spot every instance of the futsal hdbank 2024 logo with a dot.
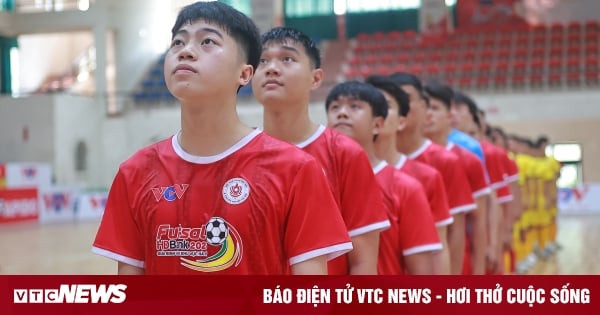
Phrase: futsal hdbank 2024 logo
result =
(217, 245)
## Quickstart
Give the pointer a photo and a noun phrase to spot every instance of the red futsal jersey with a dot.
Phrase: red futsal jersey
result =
(352, 183)
(413, 230)
(457, 186)
(255, 209)
(433, 184)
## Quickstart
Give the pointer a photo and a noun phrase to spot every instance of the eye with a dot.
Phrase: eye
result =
(355, 106)
(208, 41)
(287, 59)
(176, 42)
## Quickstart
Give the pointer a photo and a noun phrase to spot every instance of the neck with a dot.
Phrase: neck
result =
(440, 138)
(209, 129)
(410, 142)
(370, 150)
(288, 123)
(385, 148)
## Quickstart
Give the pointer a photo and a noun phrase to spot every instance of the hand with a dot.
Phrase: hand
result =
(491, 259)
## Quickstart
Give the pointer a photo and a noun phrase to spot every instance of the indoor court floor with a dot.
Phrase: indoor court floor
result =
(65, 248)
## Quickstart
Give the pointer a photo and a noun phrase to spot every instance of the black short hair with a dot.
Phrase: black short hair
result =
(462, 98)
(405, 78)
(439, 91)
(282, 34)
(385, 83)
(237, 25)
(359, 91)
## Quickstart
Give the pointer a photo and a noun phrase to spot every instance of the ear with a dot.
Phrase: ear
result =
(378, 125)
(317, 78)
(246, 75)
(402, 121)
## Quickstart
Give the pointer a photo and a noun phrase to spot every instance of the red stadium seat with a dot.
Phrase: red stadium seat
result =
(537, 79)
(556, 51)
(592, 25)
(573, 78)
(520, 53)
(554, 79)
(518, 80)
(555, 64)
(591, 49)
(537, 65)
(538, 52)
(574, 50)
(557, 28)
(591, 77)
(573, 63)
(505, 53)
(520, 66)
(574, 27)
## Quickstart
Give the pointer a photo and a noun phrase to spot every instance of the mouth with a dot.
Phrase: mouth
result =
(183, 68)
(272, 83)
(342, 125)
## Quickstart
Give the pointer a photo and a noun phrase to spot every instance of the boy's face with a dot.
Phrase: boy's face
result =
(284, 74)
(393, 121)
(353, 118)
(438, 118)
(461, 117)
(415, 119)
(204, 60)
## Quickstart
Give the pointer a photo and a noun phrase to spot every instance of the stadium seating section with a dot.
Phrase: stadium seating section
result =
(512, 57)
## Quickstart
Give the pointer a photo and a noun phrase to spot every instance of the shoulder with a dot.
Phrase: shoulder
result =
(145, 157)
(342, 143)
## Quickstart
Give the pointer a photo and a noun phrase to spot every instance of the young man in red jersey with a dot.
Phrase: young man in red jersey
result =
(359, 110)
(469, 120)
(289, 69)
(429, 177)
(218, 197)
(412, 142)
(437, 129)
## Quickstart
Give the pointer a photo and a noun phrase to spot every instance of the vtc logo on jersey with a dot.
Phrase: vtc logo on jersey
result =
(236, 191)
(170, 193)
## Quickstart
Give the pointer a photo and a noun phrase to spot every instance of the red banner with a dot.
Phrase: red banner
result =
(18, 204)
(299, 295)
(477, 13)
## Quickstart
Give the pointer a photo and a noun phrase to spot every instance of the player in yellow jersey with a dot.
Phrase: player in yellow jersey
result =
(523, 229)
(550, 176)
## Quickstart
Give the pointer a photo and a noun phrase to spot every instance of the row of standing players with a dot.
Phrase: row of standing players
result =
(386, 188)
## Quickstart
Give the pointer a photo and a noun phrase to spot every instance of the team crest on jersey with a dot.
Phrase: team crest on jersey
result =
(236, 191)
(215, 246)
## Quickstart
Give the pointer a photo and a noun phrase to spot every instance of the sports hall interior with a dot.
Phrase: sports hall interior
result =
(82, 88)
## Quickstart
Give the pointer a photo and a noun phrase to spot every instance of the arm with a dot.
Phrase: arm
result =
(129, 270)
(363, 258)
(494, 217)
(419, 264)
(441, 259)
(456, 243)
(478, 220)
(314, 266)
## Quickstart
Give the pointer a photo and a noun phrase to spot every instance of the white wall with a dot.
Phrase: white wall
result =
(77, 119)
(35, 114)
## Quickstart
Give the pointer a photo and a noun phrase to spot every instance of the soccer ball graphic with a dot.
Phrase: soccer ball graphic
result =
(216, 231)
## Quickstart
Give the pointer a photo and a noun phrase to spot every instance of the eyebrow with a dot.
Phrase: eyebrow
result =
(288, 48)
(204, 29)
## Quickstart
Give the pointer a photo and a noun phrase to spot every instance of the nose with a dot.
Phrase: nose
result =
(342, 112)
(272, 68)
(186, 53)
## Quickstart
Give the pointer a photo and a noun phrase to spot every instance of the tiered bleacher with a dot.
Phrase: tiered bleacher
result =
(514, 57)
